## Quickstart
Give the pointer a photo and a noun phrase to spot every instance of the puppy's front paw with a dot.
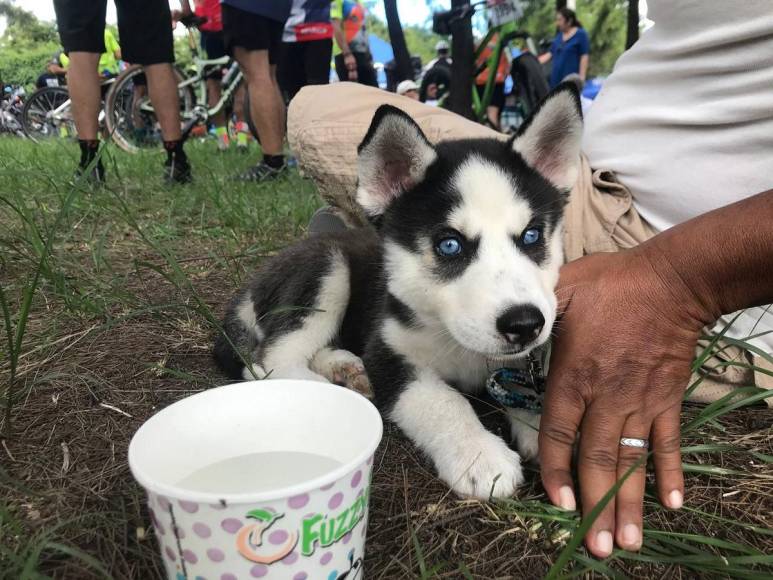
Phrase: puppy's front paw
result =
(485, 463)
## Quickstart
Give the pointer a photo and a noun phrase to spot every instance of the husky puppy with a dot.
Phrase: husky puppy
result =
(456, 280)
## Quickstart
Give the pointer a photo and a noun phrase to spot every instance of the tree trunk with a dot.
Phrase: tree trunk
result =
(633, 23)
(403, 69)
(460, 99)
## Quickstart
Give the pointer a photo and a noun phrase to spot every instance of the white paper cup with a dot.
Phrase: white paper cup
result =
(308, 529)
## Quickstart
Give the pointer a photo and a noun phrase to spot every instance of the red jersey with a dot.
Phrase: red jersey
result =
(209, 9)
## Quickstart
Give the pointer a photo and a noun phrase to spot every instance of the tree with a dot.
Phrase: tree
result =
(403, 68)
(460, 99)
(633, 23)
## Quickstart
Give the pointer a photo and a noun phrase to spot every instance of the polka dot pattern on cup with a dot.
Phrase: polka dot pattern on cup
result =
(163, 503)
(156, 524)
(189, 506)
(215, 554)
(347, 538)
(189, 556)
(170, 554)
(356, 479)
(178, 532)
(298, 501)
(231, 525)
(335, 501)
(258, 571)
(291, 558)
(202, 530)
(325, 559)
(278, 537)
(228, 576)
(300, 576)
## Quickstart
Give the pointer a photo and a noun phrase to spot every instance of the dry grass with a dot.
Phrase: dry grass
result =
(119, 328)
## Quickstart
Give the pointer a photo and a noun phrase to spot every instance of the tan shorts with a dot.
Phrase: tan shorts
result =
(326, 124)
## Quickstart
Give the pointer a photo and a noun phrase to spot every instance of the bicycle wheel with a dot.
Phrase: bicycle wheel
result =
(129, 115)
(39, 119)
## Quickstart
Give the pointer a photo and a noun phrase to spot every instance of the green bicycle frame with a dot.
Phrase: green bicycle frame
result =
(480, 104)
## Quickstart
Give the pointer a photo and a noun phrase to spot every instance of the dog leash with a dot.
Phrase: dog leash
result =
(519, 388)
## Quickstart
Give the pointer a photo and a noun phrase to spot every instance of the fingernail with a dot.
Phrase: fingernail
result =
(566, 498)
(675, 499)
(604, 543)
(631, 535)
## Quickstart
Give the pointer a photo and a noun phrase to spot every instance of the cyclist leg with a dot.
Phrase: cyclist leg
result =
(213, 47)
(255, 42)
(145, 28)
(81, 25)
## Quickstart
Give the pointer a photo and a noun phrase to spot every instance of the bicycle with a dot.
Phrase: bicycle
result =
(48, 112)
(530, 84)
(11, 110)
(131, 119)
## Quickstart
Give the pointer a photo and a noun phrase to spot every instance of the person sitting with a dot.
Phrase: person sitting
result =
(56, 71)
(667, 231)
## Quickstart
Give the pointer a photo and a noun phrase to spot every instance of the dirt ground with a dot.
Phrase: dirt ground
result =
(65, 476)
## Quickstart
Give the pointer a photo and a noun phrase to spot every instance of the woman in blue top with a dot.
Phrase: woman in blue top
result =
(570, 48)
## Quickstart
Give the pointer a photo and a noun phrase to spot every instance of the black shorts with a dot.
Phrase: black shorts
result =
(304, 63)
(251, 32)
(497, 96)
(144, 27)
(213, 47)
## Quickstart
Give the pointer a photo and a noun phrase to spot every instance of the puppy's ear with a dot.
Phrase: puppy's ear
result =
(392, 158)
(549, 141)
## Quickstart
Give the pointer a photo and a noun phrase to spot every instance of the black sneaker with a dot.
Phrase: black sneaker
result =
(177, 170)
(262, 172)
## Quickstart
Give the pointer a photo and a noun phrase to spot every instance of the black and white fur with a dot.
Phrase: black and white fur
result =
(429, 327)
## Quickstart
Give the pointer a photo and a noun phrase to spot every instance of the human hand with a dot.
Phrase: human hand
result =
(351, 66)
(619, 367)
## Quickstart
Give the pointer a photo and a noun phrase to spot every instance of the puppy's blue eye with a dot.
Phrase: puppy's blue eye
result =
(449, 247)
(530, 236)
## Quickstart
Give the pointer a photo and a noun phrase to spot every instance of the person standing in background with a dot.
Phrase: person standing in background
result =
(570, 49)
(213, 47)
(252, 33)
(145, 27)
(353, 60)
(497, 102)
(307, 46)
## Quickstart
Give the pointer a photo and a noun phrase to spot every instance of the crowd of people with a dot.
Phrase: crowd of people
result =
(280, 46)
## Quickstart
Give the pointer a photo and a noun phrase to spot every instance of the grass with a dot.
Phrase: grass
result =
(110, 299)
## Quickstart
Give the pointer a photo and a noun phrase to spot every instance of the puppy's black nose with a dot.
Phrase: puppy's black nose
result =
(520, 324)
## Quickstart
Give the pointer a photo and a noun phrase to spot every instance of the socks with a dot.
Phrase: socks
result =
(274, 161)
(242, 134)
(222, 136)
(174, 149)
(89, 149)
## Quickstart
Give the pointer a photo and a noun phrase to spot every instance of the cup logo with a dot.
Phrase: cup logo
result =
(249, 539)
(316, 530)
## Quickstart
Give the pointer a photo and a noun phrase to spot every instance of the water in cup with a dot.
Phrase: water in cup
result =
(258, 472)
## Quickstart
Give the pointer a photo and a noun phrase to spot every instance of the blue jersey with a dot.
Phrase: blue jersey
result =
(566, 55)
(277, 10)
